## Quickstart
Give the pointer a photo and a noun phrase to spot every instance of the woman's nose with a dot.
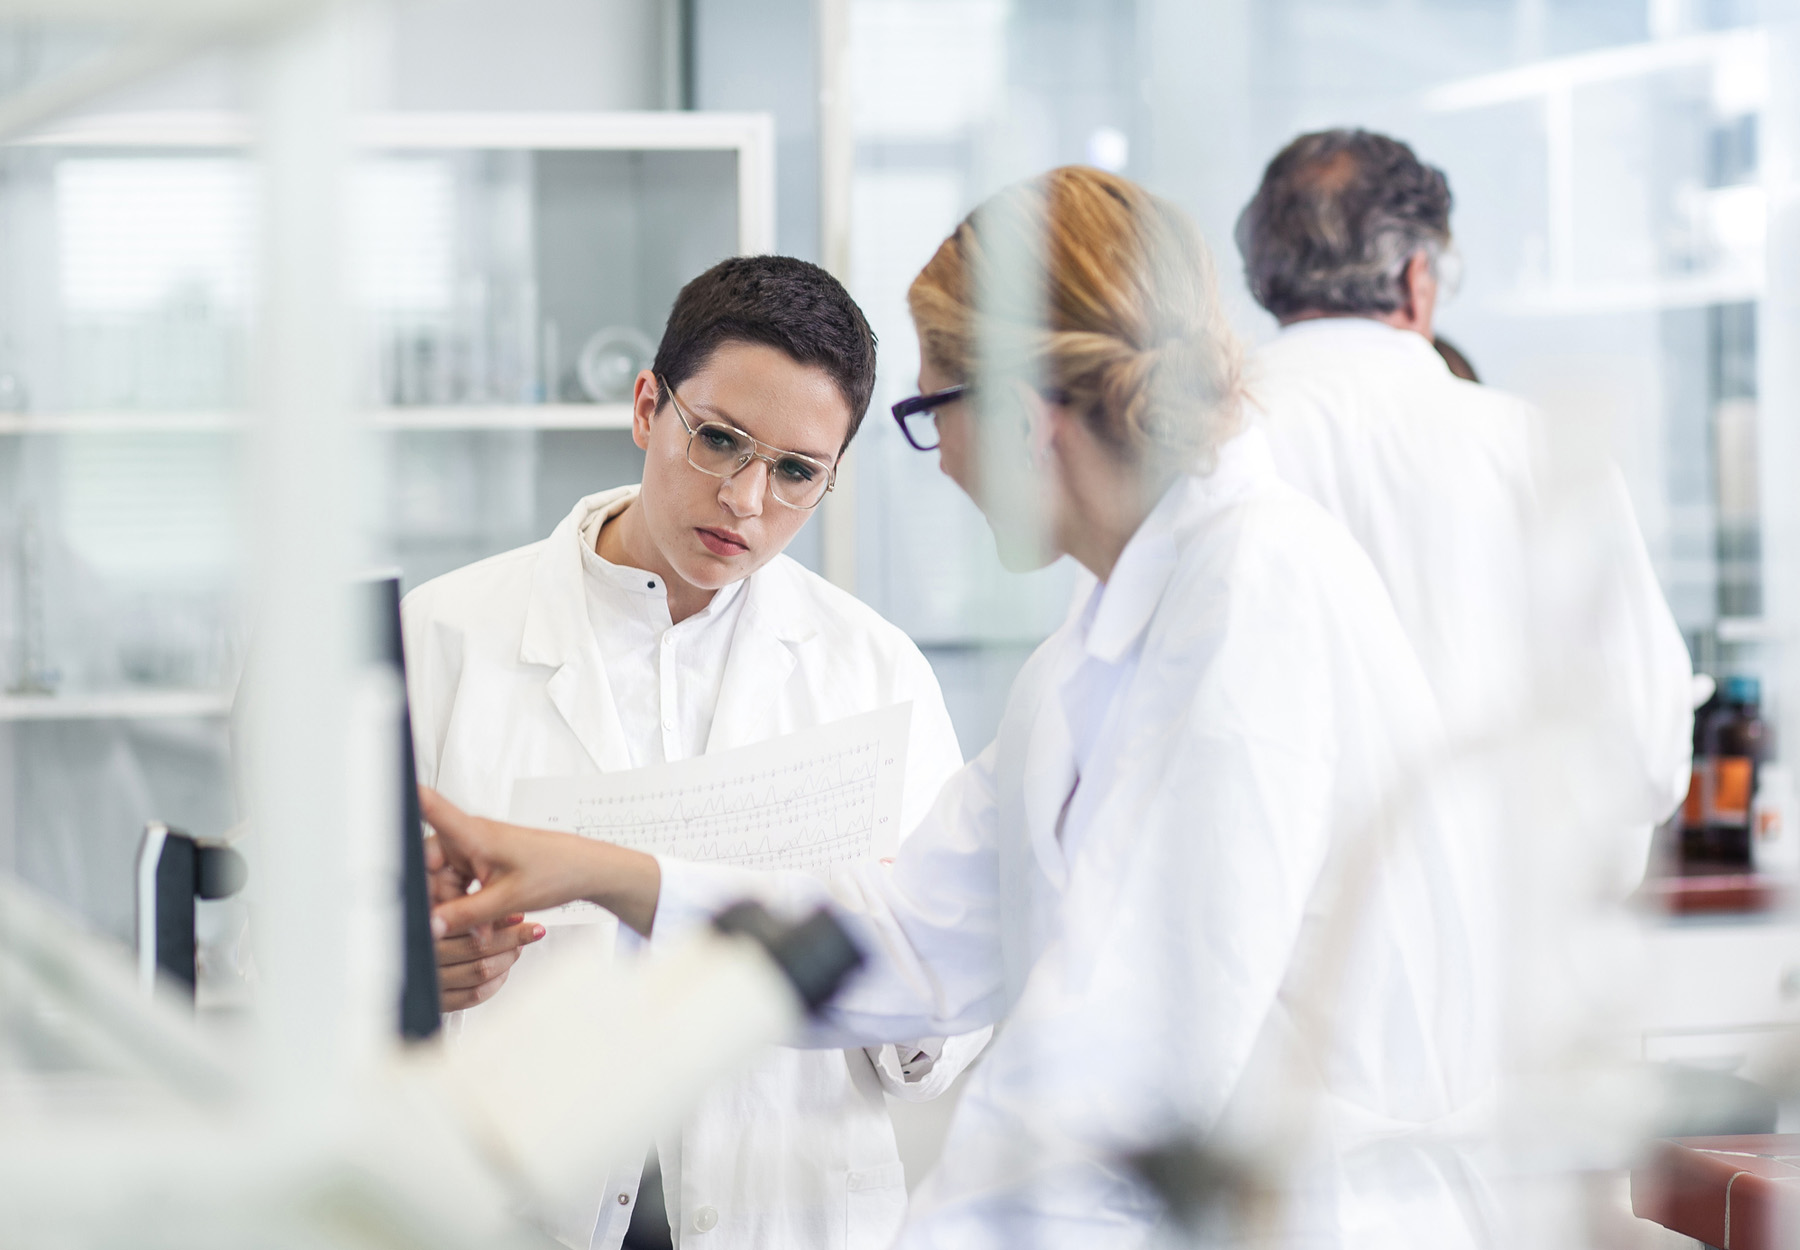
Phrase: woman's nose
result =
(743, 491)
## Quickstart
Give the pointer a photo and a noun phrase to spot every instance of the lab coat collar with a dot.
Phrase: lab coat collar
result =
(1115, 620)
(764, 652)
(1125, 602)
(557, 633)
(1364, 334)
(557, 630)
(625, 588)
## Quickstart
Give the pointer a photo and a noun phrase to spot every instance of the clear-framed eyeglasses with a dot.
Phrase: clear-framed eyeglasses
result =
(722, 451)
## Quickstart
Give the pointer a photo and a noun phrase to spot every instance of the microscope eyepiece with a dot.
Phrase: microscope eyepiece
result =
(816, 954)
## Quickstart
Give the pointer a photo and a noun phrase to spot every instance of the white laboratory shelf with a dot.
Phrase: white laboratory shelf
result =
(147, 704)
(117, 422)
(449, 417)
(521, 417)
(1746, 629)
(1577, 299)
(622, 131)
(750, 135)
(1732, 50)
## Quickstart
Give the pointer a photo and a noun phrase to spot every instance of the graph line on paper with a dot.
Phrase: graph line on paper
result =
(810, 814)
(807, 800)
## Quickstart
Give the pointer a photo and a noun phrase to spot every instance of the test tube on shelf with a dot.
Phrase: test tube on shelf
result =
(552, 360)
(34, 676)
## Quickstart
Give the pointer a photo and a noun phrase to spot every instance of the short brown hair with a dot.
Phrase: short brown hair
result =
(782, 302)
(1124, 318)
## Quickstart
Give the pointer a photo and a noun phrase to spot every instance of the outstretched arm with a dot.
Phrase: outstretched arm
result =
(929, 926)
(521, 870)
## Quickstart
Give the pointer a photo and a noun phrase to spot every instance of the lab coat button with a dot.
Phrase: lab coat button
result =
(624, 1200)
(705, 1219)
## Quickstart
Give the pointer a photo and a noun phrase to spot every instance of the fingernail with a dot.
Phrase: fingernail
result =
(438, 927)
(517, 918)
(537, 931)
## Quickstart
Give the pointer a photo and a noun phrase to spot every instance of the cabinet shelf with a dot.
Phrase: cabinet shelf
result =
(521, 417)
(750, 135)
(463, 417)
(1728, 49)
(1577, 299)
(147, 704)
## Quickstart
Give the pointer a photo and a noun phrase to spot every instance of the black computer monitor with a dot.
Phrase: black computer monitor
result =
(420, 1006)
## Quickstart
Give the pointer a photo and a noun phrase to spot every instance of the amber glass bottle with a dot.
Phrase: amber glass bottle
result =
(1733, 743)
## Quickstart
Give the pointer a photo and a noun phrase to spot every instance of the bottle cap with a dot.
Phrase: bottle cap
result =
(1742, 689)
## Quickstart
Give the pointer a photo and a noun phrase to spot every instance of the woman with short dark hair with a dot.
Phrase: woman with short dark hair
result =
(661, 621)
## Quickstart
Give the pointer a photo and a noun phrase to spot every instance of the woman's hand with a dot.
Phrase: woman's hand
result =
(472, 966)
(523, 870)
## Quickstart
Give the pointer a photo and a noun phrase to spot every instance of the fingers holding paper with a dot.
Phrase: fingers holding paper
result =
(521, 870)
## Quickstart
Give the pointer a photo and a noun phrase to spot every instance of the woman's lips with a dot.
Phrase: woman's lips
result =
(722, 543)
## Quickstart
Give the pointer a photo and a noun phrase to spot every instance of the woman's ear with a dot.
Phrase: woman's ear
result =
(1042, 419)
(1013, 475)
(644, 397)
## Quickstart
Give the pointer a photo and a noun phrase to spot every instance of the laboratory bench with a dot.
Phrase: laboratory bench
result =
(1724, 998)
(1725, 989)
(1715, 893)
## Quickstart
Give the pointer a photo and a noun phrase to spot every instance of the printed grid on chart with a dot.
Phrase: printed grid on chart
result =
(807, 815)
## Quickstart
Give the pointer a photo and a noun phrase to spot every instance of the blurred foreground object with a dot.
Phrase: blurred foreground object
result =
(174, 872)
(1740, 1193)
(440, 1151)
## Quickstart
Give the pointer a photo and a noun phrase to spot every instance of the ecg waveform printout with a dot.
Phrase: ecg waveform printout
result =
(807, 800)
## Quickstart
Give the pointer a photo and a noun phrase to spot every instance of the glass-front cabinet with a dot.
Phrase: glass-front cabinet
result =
(510, 276)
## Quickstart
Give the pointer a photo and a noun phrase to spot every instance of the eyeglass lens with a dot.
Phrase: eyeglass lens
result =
(921, 429)
(721, 451)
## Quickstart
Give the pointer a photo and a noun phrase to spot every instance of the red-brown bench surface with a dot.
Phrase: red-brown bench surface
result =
(1736, 1193)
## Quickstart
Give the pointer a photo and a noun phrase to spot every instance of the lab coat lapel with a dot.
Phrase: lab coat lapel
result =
(750, 707)
(1115, 620)
(1049, 768)
(557, 633)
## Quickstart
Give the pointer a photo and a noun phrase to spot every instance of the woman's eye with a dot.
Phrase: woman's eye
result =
(796, 471)
(719, 440)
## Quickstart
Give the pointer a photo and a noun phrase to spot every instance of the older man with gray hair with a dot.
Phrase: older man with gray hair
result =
(1346, 242)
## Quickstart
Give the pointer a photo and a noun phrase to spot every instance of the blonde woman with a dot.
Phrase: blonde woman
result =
(1152, 876)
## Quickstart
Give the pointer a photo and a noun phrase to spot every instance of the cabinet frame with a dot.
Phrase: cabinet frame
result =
(750, 136)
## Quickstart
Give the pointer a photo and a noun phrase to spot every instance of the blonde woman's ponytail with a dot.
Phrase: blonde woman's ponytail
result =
(1130, 327)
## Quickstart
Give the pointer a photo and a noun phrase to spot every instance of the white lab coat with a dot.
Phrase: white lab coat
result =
(507, 681)
(1148, 875)
(1441, 482)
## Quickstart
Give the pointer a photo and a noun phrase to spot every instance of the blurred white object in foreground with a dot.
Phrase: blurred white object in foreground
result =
(122, 1122)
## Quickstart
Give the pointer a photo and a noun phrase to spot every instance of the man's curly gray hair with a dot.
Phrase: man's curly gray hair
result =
(1338, 215)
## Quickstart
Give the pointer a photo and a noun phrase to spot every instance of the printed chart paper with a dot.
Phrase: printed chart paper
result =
(808, 800)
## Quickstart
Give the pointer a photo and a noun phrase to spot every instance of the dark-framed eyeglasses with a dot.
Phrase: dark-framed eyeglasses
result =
(917, 417)
(720, 450)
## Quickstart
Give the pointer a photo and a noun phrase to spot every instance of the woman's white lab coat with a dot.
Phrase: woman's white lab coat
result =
(507, 681)
(1161, 875)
